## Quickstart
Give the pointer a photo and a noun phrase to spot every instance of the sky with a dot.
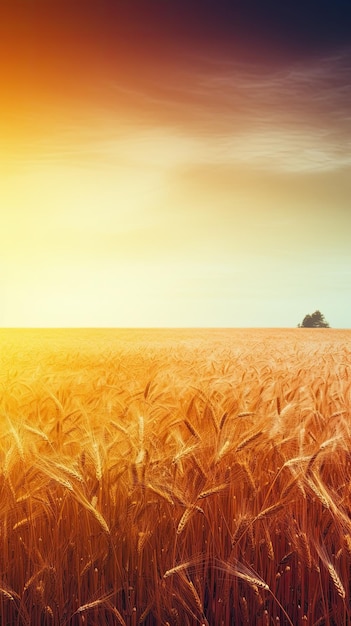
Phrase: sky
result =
(175, 164)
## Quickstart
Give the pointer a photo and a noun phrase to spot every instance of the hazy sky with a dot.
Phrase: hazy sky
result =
(175, 163)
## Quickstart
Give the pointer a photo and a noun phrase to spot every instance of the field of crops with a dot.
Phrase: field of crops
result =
(175, 477)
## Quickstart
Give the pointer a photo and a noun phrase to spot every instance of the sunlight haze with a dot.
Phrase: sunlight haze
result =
(163, 169)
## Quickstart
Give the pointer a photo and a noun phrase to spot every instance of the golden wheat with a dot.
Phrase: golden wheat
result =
(111, 439)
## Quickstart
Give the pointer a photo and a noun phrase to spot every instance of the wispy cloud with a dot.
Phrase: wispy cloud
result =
(287, 117)
(290, 117)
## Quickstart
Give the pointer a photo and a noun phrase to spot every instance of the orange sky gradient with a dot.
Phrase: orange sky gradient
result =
(162, 165)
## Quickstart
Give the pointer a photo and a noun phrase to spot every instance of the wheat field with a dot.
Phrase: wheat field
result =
(175, 477)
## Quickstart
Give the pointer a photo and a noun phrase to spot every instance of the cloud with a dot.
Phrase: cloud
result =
(291, 117)
(281, 115)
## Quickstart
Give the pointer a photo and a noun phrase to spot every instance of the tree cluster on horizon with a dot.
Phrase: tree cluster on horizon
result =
(316, 320)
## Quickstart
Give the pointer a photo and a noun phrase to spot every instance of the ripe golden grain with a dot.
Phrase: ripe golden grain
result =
(269, 544)
(223, 450)
(336, 580)
(195, 596)
(196, 560)
(245, 610)
(269, 510)
(6, 594)
(185, 518)
(347, 538)
(210, 492)
(242, 571)
(306, 552)
(90, 605)
(112, 503)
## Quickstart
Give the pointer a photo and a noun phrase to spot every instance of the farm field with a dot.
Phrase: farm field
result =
(175, 477)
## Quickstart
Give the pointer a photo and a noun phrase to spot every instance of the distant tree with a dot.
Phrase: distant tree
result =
(307, 322)
(316, 320)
